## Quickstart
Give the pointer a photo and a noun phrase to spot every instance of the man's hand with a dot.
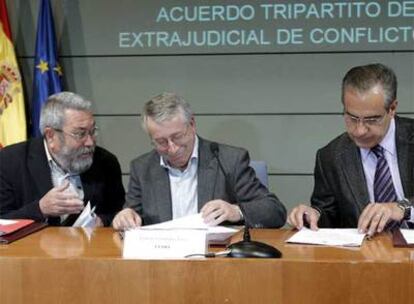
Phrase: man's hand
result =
(217, 211)
(376, 216)
(98, 222)
(58, 201)
(303, 212)
(126, 219)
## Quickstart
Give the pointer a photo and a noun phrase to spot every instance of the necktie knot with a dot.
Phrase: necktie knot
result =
(378, 151)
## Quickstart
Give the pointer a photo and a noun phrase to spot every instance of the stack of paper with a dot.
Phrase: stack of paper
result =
(176, 239)
(215, 234)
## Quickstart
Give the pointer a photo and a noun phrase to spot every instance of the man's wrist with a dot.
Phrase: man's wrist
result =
(240, 213)
(405, 205)
(317, 210)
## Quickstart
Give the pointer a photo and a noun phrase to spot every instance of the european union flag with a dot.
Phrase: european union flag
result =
(47, 71)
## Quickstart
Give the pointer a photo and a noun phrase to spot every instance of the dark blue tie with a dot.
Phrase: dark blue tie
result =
(384, 190)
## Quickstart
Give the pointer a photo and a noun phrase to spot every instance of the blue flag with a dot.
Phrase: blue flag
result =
(47, 71)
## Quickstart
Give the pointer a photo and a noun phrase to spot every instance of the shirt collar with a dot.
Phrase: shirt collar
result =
(49, 157)
(193, 157)
(388, 142)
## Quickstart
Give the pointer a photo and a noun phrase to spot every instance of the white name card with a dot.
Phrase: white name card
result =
(164, 243)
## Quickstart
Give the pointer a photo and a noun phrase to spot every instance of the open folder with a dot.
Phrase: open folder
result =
(12, 230)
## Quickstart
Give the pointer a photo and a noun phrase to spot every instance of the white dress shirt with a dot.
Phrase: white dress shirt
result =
(183, 185)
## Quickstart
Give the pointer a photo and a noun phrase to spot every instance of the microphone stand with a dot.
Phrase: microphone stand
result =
(251, 249)
(245, 248)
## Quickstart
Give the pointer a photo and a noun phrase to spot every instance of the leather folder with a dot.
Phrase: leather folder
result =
(14, 236)
(398, 239)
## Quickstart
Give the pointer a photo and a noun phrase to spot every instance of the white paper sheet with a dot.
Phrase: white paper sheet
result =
(329, 237)
(7, 222)
(87, 218)
(215, 234)
(408, 235)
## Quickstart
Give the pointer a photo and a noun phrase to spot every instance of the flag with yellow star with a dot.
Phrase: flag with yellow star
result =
(12, 108)
(47, 78)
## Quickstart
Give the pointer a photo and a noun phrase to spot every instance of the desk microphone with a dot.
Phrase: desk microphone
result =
(245, 248)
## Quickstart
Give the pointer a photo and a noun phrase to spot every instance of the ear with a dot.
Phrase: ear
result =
(393, 108)
(193, 122)
(49, 135)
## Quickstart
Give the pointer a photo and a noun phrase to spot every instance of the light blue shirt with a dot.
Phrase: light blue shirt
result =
(183, 185)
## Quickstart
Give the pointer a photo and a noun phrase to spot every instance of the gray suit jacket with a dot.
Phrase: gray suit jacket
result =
(149, 187)
(340, 190)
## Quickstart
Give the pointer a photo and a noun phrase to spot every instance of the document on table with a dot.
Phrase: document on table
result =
(328, 237)
(408, 235)
(215, 234)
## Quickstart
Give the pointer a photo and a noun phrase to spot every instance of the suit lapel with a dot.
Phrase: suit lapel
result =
(405, 153)
(88, 187)
(207, 173)
(39, 168)
(352, 168)
(39, 171)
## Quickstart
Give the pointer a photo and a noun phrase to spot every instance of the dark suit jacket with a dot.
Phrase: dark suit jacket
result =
(25, 177)
(149, 187)
(340, 190)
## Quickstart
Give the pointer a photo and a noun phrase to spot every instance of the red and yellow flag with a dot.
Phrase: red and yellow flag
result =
(12, 111)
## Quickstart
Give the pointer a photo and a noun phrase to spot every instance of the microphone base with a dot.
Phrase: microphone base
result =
(253, 249)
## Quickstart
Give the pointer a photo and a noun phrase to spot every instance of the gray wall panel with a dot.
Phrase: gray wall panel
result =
(225, 84)
(292, 190)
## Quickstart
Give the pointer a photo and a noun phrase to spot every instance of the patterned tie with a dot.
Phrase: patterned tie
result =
(384, 190)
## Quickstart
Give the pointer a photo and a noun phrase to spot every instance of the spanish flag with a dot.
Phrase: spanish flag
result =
(12, 111)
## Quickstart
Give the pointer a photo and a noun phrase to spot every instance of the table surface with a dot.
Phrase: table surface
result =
(71, 265)
(63, 242)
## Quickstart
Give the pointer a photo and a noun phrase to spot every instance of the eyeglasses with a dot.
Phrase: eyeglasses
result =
(177, 139)
(353, 121)
(81, 135)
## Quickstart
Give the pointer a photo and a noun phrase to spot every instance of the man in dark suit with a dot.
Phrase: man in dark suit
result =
(51, 178)
(365, 177)
(182, 175)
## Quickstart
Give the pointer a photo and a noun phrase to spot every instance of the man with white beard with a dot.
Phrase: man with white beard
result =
(52, 178)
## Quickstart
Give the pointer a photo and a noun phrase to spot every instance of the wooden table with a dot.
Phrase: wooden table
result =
(65, 265)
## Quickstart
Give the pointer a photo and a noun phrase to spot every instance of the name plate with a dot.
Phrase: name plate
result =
(164, 243)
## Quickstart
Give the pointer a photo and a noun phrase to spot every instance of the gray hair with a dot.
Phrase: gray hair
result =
(53, 111)
(364, 78)
(164, 107)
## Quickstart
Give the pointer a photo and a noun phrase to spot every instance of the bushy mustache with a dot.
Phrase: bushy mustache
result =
(82, 150)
